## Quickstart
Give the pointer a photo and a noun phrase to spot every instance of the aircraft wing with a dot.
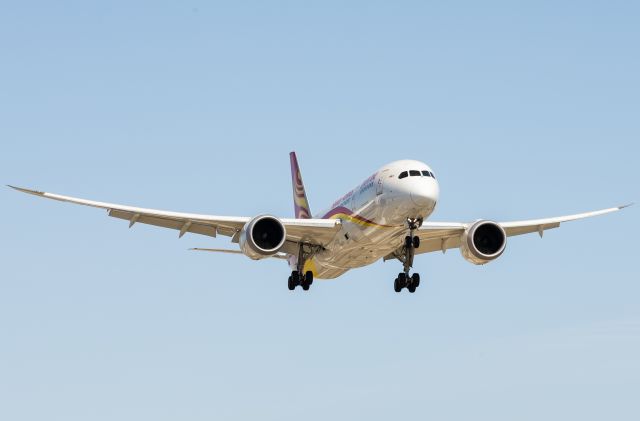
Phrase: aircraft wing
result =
(441, 236)
(311, 231)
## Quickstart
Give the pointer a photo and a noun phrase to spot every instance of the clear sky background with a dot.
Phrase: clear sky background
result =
(523, 109)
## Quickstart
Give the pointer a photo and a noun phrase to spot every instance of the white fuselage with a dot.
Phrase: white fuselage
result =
(374, 217)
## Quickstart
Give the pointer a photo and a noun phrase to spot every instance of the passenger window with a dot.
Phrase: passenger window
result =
(426, 173)
(414, 173)
(403, 174)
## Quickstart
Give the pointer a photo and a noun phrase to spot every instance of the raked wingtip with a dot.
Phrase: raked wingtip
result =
(626, 206)
(28, 191)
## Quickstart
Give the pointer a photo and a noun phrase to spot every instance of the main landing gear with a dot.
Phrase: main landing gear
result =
(409, 282)
(411, 243)
(304, 280)
(299, 277)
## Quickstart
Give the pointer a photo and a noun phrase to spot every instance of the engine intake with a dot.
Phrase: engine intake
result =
(483, 242)
(262, 237)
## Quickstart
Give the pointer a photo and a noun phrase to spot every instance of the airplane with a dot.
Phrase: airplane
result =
(384, 217)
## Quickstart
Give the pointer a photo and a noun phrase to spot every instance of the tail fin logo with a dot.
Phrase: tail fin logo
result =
(300, 202)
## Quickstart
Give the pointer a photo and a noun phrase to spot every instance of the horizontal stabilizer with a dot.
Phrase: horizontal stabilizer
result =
(276, 256)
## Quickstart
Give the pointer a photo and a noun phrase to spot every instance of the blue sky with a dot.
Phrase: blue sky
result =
(523, 109)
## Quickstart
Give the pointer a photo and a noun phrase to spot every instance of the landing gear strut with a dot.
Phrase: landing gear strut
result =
(411, 243)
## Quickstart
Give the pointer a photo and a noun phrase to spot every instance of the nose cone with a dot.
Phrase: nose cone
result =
(426, 195)
(420, 200)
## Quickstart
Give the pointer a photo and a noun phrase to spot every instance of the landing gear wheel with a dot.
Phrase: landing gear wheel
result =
(416, 242)
(308, 277)
(408, 242)
(402, 280)
(415, 280)
(305, 286)
(405, 281)
(294, 280)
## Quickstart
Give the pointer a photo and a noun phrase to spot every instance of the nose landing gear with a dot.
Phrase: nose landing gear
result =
(411, 243)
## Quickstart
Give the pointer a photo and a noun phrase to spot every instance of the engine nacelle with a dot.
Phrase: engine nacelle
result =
(483, 242)
(262, 237)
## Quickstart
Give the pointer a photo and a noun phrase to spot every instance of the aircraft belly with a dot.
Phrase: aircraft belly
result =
(357, 246)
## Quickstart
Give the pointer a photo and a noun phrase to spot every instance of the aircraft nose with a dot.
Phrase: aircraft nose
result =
(420, 200)
(426, 196)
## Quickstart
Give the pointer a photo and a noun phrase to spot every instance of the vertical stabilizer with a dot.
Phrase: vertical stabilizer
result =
(300, 202)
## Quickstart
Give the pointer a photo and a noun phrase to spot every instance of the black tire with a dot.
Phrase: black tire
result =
(291, 285)
(402, 279)
(308, 277)
(411, 288)
(415, 280)
(408, 242)
(416, 242)
(305, 286)
(295, 277)
(396, 285)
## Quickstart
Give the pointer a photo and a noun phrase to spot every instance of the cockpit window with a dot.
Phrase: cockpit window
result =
(403, 174)
(433, 175)
(426, 173)
(414, 173)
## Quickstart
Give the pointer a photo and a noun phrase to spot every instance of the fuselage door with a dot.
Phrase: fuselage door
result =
(379, 184)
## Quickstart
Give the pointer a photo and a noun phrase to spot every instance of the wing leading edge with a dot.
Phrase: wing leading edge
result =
(314, 231)
(441, 236)
(434, 236)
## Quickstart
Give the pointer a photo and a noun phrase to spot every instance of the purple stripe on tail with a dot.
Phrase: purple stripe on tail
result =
(300, 202)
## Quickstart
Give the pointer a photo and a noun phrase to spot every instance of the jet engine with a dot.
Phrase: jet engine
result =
(483, 242)
(262, 237)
